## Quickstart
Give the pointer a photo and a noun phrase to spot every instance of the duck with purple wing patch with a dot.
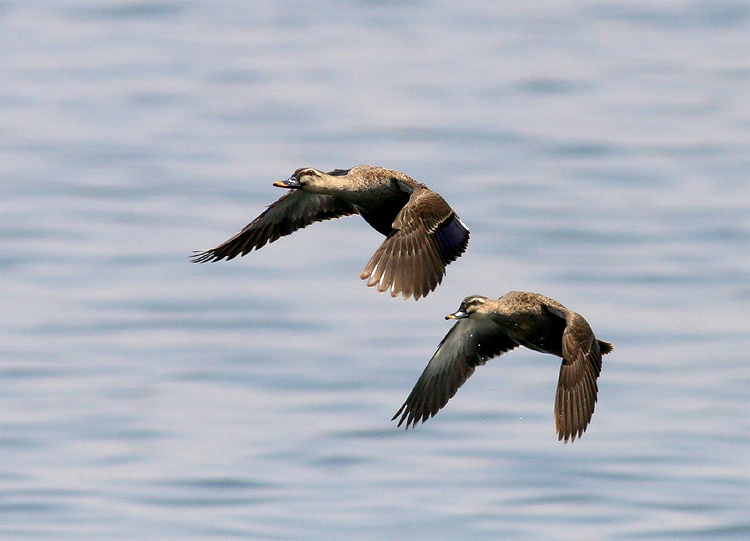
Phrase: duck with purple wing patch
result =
(423, 234)
(488, 328)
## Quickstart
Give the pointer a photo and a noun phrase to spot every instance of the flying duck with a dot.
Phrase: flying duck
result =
(423, 234)
(487, 328)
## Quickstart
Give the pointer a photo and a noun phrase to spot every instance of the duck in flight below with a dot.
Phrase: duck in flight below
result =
(488, 328)
(423, 234)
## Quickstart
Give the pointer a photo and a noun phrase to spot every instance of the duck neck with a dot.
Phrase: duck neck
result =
(330, 185)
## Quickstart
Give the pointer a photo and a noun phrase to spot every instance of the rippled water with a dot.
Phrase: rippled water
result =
(599, 154)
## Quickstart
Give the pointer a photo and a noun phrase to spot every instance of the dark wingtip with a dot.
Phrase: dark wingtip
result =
(605, 347)
(202, 257)
(570, 437)
(404, 414)
(211, 256)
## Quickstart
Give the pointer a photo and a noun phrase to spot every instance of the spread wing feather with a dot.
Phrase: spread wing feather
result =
(427, 235)
(576, 387)
(469, 343)
(293, 211)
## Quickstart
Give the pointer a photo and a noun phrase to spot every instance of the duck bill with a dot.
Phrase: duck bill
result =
(458, 314)
(291, 183)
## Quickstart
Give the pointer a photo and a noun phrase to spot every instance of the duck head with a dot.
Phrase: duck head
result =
(473, 305)
(306, 178)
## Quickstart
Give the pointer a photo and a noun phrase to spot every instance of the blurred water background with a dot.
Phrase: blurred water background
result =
(597, 150)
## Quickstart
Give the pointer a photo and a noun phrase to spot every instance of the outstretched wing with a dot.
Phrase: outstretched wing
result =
(291, 212)
(427, 235)
(467, 345)
(576, 386)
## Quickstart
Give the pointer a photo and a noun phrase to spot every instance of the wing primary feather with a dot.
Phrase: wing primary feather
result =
(293, 211)
(450, 366)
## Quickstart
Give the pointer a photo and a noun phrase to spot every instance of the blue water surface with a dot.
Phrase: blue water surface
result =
(597, 150)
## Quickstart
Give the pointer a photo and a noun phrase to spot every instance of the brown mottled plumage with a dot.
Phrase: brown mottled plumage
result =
(423, 234)
(488, 328)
